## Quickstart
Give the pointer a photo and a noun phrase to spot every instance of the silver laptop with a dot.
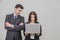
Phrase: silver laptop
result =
(32, 28)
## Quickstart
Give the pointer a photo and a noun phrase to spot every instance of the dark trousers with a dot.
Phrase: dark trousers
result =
(13, 36)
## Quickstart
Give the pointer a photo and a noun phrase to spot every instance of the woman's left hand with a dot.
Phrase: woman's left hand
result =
(38, 34)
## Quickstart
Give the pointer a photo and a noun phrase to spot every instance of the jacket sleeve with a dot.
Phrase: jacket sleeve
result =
(24, 30)
(40, 30)
(7, 20)
(19, 27)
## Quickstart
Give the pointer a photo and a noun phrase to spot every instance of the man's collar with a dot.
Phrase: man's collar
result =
(15, 14)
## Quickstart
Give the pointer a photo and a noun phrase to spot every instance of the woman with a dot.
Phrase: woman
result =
(32, 19)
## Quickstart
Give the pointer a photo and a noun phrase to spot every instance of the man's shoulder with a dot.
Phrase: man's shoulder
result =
(21, 16)
(9, 14)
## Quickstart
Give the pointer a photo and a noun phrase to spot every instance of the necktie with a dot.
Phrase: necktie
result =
(15, 19)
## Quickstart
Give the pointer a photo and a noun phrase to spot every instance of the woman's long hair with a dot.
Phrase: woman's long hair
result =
(32, 13)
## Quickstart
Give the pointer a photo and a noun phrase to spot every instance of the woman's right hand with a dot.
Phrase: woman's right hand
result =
(26, 34)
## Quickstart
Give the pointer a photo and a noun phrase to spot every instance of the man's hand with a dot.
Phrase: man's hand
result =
(9, 25)
(21, 24)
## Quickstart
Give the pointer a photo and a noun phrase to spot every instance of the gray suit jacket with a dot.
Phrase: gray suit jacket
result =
(16, 32)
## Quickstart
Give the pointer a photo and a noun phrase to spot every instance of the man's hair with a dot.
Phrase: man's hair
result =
(19, 6)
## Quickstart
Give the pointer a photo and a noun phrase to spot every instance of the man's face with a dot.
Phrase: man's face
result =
(18, 11)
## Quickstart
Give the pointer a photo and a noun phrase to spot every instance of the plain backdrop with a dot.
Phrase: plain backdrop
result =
(48, 12)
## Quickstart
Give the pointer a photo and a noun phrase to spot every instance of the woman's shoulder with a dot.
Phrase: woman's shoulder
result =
(27, 22)
(36, 22)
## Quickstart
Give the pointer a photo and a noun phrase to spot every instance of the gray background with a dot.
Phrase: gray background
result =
(48, 12)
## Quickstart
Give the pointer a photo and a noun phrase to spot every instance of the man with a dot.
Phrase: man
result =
(14, 23)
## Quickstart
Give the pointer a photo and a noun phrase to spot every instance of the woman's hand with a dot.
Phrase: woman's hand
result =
(38, 34)
(26, 34)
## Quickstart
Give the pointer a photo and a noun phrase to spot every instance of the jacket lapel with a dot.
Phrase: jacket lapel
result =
(18, 20)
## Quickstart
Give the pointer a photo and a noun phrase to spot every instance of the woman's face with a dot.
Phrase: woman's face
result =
(33, 18)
